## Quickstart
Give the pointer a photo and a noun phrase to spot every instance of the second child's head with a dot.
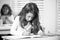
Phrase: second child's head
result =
(5, 10)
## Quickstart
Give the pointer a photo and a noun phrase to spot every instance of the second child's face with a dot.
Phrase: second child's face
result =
(29, 16)
(5, 10)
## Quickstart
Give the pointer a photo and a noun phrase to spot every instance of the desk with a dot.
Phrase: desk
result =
(5, 29)
(31, 38)
(45, 37)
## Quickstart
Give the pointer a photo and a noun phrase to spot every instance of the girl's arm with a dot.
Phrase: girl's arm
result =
(14, 26)
(27, 29)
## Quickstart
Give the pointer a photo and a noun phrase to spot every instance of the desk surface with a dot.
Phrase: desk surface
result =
(46, 37)
(5, 26)
(5, 29)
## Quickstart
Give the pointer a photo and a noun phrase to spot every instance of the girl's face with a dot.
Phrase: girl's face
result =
(29, 16)
(5, 10)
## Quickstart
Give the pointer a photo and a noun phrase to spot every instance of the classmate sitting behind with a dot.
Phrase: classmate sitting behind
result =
(6, 14)
(27, 22)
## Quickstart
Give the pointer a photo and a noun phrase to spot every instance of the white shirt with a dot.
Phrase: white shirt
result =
(16, 28)
(11, 18)
(8, 20)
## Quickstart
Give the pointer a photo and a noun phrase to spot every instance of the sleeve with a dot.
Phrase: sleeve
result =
(14, 27)
(11, 18)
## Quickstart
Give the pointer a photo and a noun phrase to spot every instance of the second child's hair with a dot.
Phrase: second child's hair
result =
(3, 6)
(32, 8)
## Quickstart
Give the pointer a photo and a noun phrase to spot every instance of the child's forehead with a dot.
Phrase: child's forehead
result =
(6, 7)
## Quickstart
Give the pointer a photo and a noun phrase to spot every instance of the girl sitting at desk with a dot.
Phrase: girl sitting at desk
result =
(27, 22)
(6, 14)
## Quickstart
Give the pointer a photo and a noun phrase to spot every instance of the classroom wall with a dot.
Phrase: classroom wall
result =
(4, 2)
(49, 16)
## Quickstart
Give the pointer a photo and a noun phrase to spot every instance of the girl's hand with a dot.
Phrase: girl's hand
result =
(3, 18)
(28, 27)
(40, 32)
(26, 33)
(8, 20)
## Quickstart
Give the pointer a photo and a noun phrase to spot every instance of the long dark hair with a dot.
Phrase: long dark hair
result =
(31, 7)
(3, 6)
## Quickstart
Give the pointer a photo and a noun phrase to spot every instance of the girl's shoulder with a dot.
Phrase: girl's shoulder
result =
(17, 18)
(3, 17)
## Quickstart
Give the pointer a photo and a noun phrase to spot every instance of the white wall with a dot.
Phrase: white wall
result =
(49, 16)
(4, 2)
